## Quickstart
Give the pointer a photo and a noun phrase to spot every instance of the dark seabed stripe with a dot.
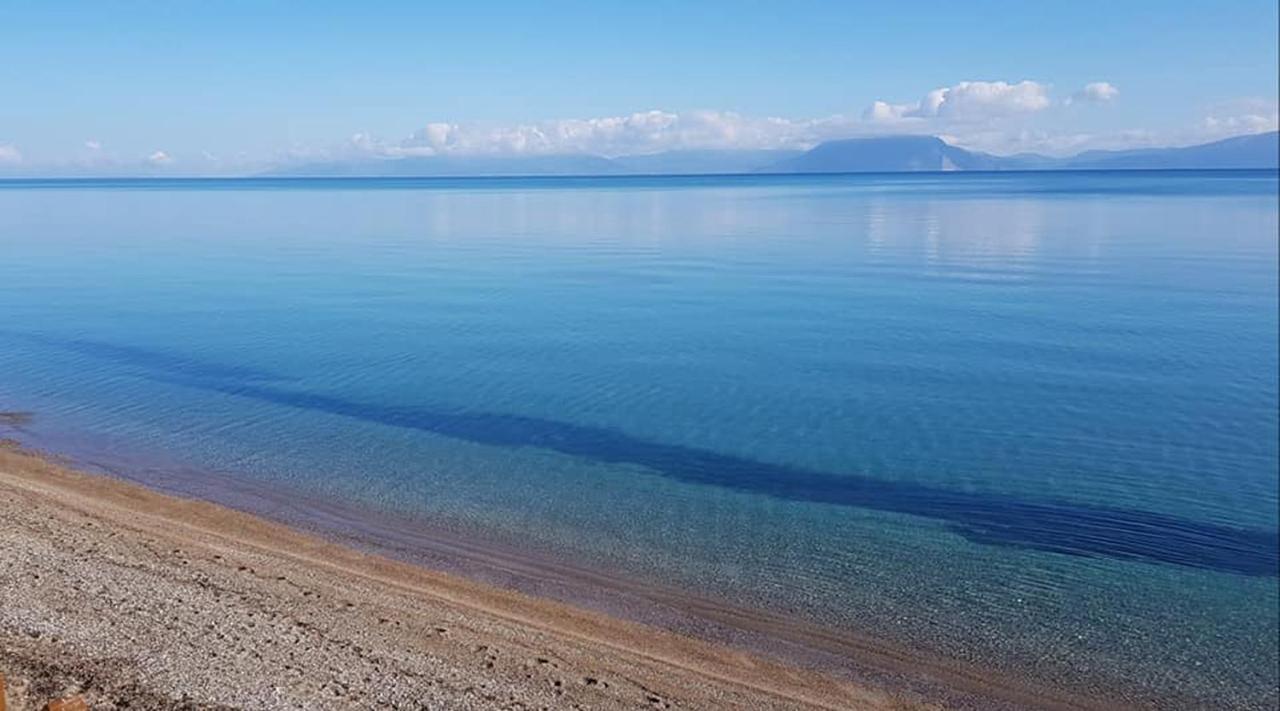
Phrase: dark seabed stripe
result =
(993, 519)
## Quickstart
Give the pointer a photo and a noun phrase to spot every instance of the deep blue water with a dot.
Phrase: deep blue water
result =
(1023, 419)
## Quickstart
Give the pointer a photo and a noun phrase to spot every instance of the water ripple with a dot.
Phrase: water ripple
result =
(1056, 526)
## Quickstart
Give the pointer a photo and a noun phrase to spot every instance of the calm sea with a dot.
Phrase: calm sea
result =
(1024, 420)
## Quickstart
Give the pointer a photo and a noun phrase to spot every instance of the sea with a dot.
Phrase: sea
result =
(1025, 422)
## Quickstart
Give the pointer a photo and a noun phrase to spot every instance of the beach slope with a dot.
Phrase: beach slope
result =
(136, 599)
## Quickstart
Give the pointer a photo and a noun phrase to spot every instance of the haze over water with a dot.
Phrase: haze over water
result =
(1026, 420)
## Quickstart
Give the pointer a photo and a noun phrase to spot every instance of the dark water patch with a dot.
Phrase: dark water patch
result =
(1055, 526)
(148, 359)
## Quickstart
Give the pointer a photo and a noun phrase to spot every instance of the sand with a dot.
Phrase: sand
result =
(136, 599)
(143, 600)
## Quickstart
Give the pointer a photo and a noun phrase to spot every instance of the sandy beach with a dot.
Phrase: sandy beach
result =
(136, 599)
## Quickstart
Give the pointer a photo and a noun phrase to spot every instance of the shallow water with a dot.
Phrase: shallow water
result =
(1028, 420)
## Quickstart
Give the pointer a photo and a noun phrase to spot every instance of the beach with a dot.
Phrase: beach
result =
(135, 599)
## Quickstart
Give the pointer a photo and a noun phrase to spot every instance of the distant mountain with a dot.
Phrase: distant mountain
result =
(1260, 150)
(705, 162)
(889, 154)
(894, 154)
(454, 166)
(702, 162)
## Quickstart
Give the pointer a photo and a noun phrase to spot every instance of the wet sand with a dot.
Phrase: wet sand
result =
(139, 599)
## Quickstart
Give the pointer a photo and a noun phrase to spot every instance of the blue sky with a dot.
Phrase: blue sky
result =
(230, 86)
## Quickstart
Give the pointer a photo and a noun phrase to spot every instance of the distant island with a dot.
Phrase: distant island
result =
(887, 154)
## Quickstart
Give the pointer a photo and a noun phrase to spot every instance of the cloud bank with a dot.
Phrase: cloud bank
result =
(968, 100)
(1002, 117)
(1098, 92)
(9, 155)
(641, 132)
(968, 109)
(1243, 116)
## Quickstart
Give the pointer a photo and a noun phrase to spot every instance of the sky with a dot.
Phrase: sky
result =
(234, 87)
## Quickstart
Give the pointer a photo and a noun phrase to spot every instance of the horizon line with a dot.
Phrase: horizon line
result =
(591, 176)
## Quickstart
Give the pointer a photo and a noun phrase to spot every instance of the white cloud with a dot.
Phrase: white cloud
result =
(994, 116)
(641, 132)
(884, 112)
(1242, 116)
(1098, 92)
(9, 155)
(1001, 141)
(968, 100)
(983, 99)
(1248, 123)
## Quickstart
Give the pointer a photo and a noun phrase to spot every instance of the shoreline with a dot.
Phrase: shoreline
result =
(720, 656)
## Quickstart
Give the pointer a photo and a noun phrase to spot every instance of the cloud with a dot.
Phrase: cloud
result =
(1098, 92)
(656, 130)
(1248, 123)
(642, 132)
(982, 99)
(1029, 139)
(9, 155)
(996, 116)
(884, 112)
(637, 133)
(1242, 116)
(966, 101)
(159, 158)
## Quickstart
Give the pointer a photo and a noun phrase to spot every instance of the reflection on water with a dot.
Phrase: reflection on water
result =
(991, 239)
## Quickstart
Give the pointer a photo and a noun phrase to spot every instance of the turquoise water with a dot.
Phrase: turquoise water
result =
(1025, 420)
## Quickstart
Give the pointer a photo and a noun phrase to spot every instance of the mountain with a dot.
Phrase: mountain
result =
(692, 162)
(704, 162)
(453, 166)
(1260, 150)
(892, 154)
(888, 154)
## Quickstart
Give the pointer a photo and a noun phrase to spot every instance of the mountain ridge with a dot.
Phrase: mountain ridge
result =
(930, 153)
(889, 154)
